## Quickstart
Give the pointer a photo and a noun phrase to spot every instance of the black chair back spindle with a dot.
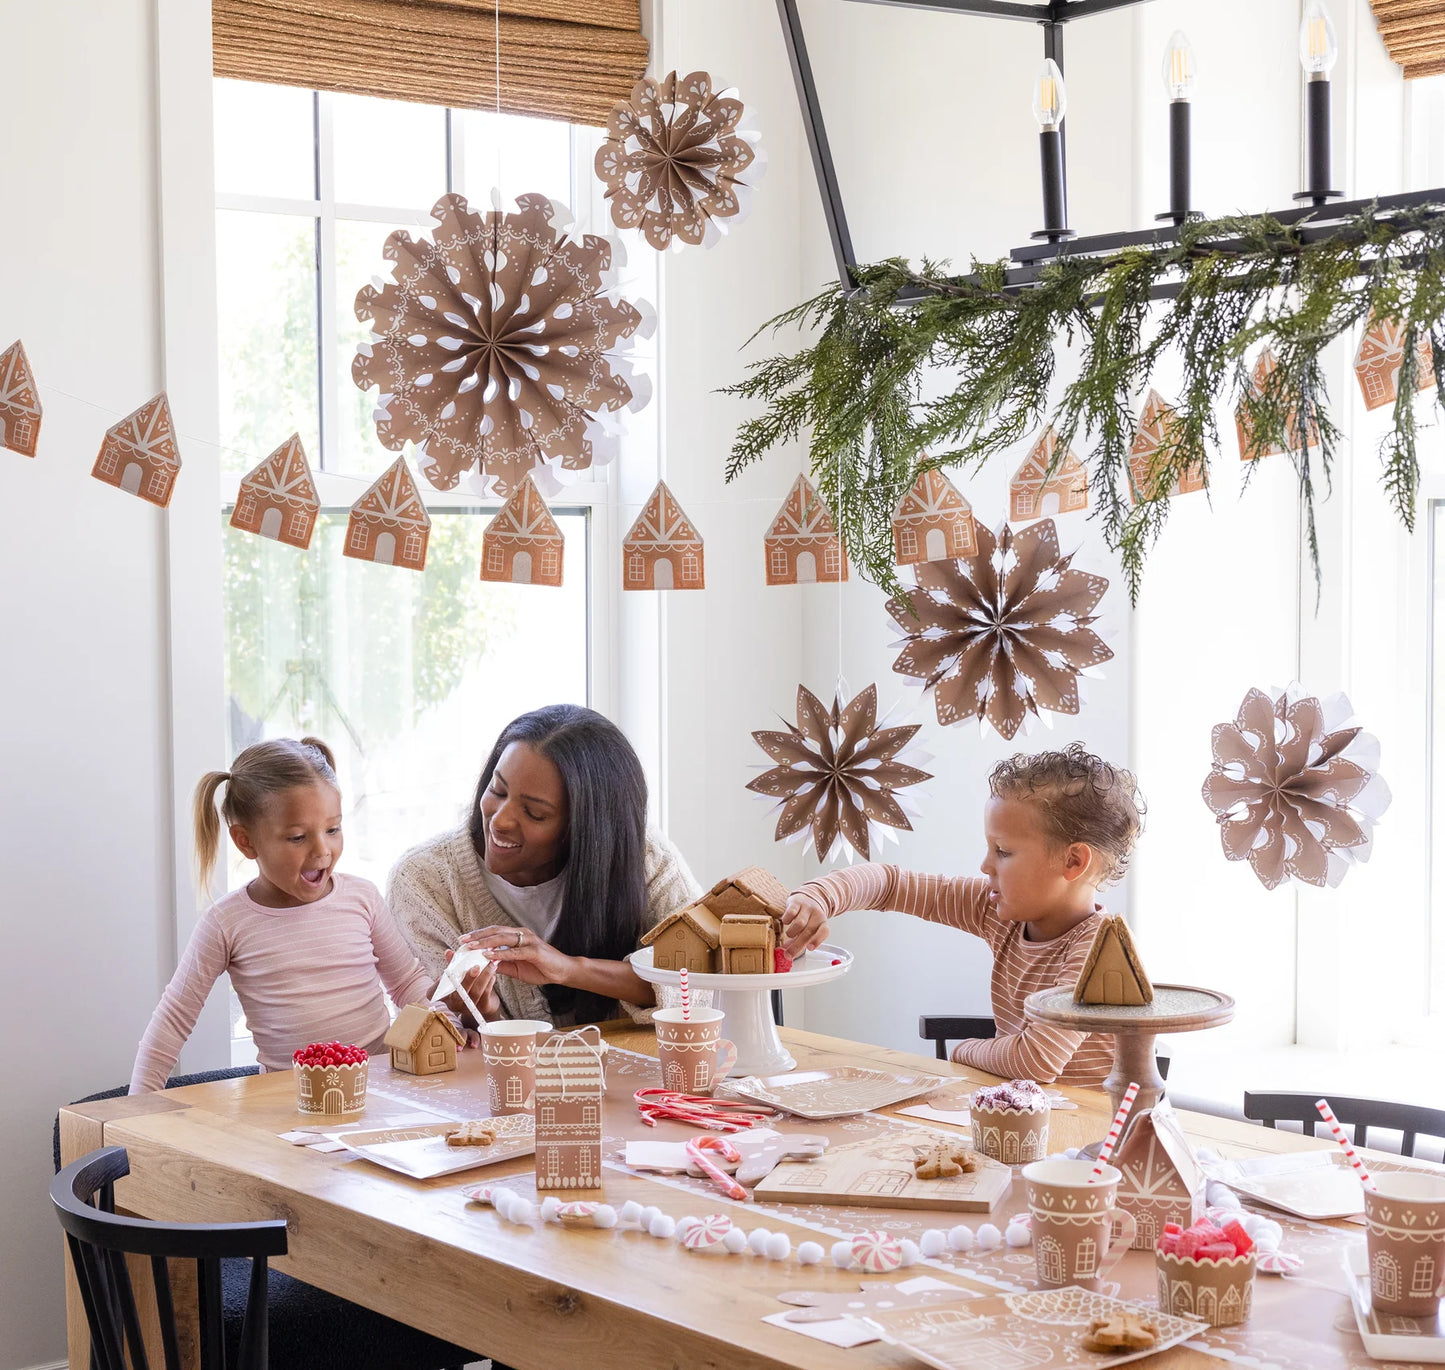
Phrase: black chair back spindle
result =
(1357, 1116)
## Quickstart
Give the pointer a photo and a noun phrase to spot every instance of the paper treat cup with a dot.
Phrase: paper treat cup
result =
(1405, 1239)
(1217, 1292)
(691, 1052)
(1014, 1136)
(1073, 1219)
(543, 1030)
(330, 1089)
(509, 1053)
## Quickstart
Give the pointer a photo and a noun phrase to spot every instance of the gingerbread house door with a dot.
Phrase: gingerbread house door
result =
(936, 545)
(662, 574)
(1050, 504)
(130, 482)
(807, 569)
(271, 523)
(522, 568)
(676, 1077)
(385, 549)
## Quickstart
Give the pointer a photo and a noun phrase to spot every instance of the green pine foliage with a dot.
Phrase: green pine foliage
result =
(914, 362)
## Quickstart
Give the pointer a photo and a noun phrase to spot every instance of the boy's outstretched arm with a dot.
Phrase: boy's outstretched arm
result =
(954, 901)
(1040, 1052)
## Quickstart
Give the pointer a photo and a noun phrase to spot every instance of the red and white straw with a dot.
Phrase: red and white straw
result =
(1115, 1128)
(1328, 1114)
(697, 1150)
(686, 996)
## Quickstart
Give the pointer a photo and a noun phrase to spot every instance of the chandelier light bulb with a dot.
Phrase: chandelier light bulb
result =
(1180, 67)
(1050, 99)
(1318, 48)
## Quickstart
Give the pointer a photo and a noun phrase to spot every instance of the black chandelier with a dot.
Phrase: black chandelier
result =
(1320, 213)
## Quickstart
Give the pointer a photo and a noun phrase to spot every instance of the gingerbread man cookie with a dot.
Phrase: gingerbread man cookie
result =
(473, 1134)
(1125, 1330)
(944, 1161)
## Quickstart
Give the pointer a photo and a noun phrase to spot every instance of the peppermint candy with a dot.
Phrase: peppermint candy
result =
(1278, 1263)
(576, 1209)
(877, 1252)
(707, 1232)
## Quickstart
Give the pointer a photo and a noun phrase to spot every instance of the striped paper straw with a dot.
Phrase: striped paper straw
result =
(1115, 1128)
(1328, 1114)
(686, 996)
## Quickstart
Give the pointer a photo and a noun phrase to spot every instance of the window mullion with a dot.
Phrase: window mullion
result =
(326, 286)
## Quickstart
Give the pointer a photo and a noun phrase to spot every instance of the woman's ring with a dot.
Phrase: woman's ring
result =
(521, 936)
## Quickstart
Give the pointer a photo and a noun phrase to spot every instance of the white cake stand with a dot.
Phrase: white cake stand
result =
(745, 999)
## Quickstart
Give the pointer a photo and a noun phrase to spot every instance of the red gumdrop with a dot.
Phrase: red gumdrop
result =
(782, 962)
(1172, 1229)
(1243, 1242)
(1216, 1251)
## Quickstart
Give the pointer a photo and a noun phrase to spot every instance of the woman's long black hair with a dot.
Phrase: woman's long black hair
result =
(604, 899)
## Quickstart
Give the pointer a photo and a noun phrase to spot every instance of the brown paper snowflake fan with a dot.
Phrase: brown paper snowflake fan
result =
(837, 774)
(676, 164)
(1003, 634)
(499, 346)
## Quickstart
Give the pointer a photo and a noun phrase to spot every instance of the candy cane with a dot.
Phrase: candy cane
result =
(697, 1150)
(718, 1115)
(1115, 1129)
(1327, 1113)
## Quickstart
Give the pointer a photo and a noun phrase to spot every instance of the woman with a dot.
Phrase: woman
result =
(554, 874)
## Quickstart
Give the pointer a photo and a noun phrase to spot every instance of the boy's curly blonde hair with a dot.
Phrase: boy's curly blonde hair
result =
(1080, 797)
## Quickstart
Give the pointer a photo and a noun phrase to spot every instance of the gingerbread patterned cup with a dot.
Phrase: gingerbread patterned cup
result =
(509, 1052)
(1217, 1292)
(333, 1090)
(1014, 1136)
(1405, 1239)
(1079, 1234)
(691, 1051)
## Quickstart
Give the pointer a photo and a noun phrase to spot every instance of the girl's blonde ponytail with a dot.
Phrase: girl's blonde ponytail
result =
(208, 828)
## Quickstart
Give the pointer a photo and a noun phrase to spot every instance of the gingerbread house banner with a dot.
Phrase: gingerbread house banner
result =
(1379, 357)
(1046, 483)
(278, 498)
(662, 549)
(1149, 452)
(568, 1103)
(140, 455)
(933, 522)
(20, 410)
(389, 524)
(1251, 448)
(523, 543)
(1162, 1182)
(802, 546)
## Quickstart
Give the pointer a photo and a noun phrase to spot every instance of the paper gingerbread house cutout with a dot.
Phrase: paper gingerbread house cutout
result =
(20, 410)
(139, 454)
(933, 522)
(278, 498)
(802, 546)
(1112, 972)
(747, 944)
(687, 938)
(1162, 1182)
(1379, 356)
(568, 1104)
(1033, 493)
(523, 543)
(1249, 449)
(389, 523)
(1155, 421)
(423, 1041)
(662, 549)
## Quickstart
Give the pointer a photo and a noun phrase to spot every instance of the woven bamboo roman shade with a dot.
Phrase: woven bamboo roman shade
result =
(561, 59)
(1414, 34)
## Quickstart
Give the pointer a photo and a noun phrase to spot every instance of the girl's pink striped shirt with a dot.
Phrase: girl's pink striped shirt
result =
(311, 973)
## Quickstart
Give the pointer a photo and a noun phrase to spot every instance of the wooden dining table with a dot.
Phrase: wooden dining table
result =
(547, 1297)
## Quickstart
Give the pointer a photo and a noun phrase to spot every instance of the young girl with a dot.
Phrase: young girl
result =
(307, 948)
(1058, 826)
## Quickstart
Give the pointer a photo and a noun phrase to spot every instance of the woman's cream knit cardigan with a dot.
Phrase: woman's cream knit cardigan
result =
(436, 893)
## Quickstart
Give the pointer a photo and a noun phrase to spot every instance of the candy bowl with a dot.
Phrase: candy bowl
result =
(330, 1078)
(1010, 1122)
(1206, 1272)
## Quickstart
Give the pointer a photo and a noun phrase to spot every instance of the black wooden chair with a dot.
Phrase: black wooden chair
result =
(1409, 1120)
(941, 1030)
(310, 1329)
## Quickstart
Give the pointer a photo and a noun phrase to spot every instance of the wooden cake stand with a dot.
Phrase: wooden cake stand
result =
(1176, 1008)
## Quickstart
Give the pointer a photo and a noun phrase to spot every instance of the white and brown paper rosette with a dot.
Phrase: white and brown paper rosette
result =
(499, 347)
(678, 163)
(1294, 787)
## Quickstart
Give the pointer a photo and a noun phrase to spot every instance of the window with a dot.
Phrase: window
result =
(300, 520)
(778, 561)
(549, 561)
(107, 460)
(160, 478)
(411, 548)
(358, 535)
(494, 556)
(831, 559)
(636, 568)
(246, 510)
(960, 535)
(908, 542)
(689, 566)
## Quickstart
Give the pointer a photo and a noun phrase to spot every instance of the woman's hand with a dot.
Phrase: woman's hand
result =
(805, 923)
(481, 983)
(523, 955)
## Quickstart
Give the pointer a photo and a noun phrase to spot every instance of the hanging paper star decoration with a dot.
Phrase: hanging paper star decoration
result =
(675, 164)
(1004, 633)
(837, 772)
(499, 346)
(1294, 788)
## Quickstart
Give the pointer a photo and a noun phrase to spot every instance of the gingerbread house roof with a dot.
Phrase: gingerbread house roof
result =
(1249, 447)
(393, 499)
(413, 1023)
(148, 433)
(802, 517)
(1111, 954)
(662, 525)
(17, 387)
(1155, 422)
(1380, 355)
(697, 916)
(1156, 1152)
(761, 884)
(569, 1067)
(1033, 472)
(284, 477)
(525, 519)
(930, 498)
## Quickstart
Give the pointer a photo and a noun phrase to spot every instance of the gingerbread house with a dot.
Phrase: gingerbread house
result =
(389, 523)
(568, 1103)
(747, 942)
(662, 549)
(20, 410)
(278, 499)
(523, 543)
(933, 522)
(752, 892)
(1251, 449)
(423, 1041)
(1145, 456)
(1378, 359)
(1036, 492)
(687, 938)
(802, 546)
(1162, 1182)
(139, 454)
(1112, 972)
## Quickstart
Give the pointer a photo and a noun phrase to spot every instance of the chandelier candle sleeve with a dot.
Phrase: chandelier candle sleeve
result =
(1318, 51)
(1328, 1114)
(1115, 1129)
(1050, 102)
(1180, 71)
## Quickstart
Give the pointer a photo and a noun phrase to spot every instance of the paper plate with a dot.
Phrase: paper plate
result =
(423, 1153)
(838, 1093)
(1318, 1185)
